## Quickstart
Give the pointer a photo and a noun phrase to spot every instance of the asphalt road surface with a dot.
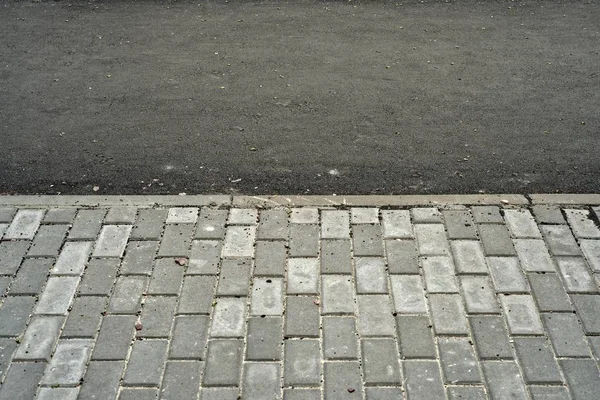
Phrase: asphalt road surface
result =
(300, 97)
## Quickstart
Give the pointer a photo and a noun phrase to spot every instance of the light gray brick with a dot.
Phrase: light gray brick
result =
(114, 337)
(534, 255)
(487, 215)
(364, 215)
(305, 215)
(448, 314)
(7, 347)
(57, 393)
(338, 294)
(270, 259)
(548, 214)
(566, 335)
(375, 316)
(14, 314)
(149, 224)
(408, 294)
(11, 255)
(102, 380)
(426, 215)
(582, 224)
(402, 256)
(239, 241)
(576, 275)
(466, 393)
(549, 293)
(234, 279)
(507, 275)
(127, 296)
(537, 360)
(302, 365)
(588, 309)
(458, 360)
(59, 216)
(57, 295)
(242, 216)
(267, 296)
(479, 295)
(48, 240)
(339, 377)
(336, 257)
(560, 240)
(166, 277)
(549, 393)
(99, 277)
(367, 240)
(72, 259)
(370, 275)
(504, 380)
(301, 394)
(490, 337)
(7, 214)
(302, 317)
(22, 381)
(139, 258)
(273, 225)
(521, 224)
(303, 276)
(223, 363)
(24, 225)
(459, 224)
(339, 338)
(157, 317)
(591, 250)
(176, 240)
(304, 240)
(121, 215)
(189, 337)
(39, 338)
(383, 393)
(5, 283)
(197, 295)
(264, 339)
(380, 362)
(205, 256)
(423, 380)
(431, 239)
(138, 394)
(468, 257)
(415, 336)
(211, 224)
(396, 224)
(146, 363)
(68, 363)
(228, 318)
(438, 272)
(182, 215)
(84, 318)
(582, 377)
(31, 276)
(495, 240)
(261, 381)
(522, 315)
(87, 224)
(593, 340)
(335, 224)
(181, 380)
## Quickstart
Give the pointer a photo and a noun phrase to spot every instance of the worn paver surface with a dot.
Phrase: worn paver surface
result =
(216, 302)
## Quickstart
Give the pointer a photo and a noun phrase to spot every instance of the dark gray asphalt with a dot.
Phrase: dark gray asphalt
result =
(300, 97)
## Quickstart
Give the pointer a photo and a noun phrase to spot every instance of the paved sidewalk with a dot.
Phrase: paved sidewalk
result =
(227, 302)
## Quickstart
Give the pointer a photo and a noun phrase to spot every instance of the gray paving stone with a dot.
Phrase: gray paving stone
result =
(370, 275)
(120, 215)
(582, 224)
(270, 259)
(189, 337)
(234, 279)
(157, 317)
(87, 224)
(335, 224)
(22, 381)
(466, 393)
(239, 241)
(339, 377)
(229, 317)
(5, 283)
(423, 380)
(339, 338)
(14, 314)
(48, 240)
(211, 224)
(31, 276)
(448, 314)
(3, 228)
(301, 394)
(24, 224)
(591, 250)
(367, 240)
(7, 348)
(593, 340)
(182, 215)
(415, 337)
(408, 294)
(402, 256)
(85, 317)
(336, 257)
(101, 380)
(114, 338)
(302, 365)
(7, 214)
(57, 295)
(181, 380)
(548, 214)
(537, 360)
(304, 240)
(468, 257)
(576, 275)
(426, 215)
(375, 316)
(149, 224)
(205, 256)
(490, 337)
(431, 239)
(139, 258)
(549, 293)
(588, 310)
(57, 393)
(303, 276)
(166, 277)
(242, 216)
(127, 297)
(219, 393)
(146, 363)
(560, 240)
(223, 363)
(521, 224)
(197, 295)
(304, 215)
(383, 393)
(176, 240)
(138, 394)
(261, 381)
(438, 272)
(504, 380)
(507, 276)
(396, 224)
(338, 294)
(72, 259)
(58, 216)
(380, 362)
(264, 339)
(302, 317)
(273, 225)
(68, 362)
(487, 215)
(458, 360)
(522, 315)
(496, 240)
(11, 254)
(459, 224)
(566, 335)
(99, 277)
(479, 295)
(549, 393)
(533, 255)
(582, 377)
(39, 338)
(267, 297)
(364, 215)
